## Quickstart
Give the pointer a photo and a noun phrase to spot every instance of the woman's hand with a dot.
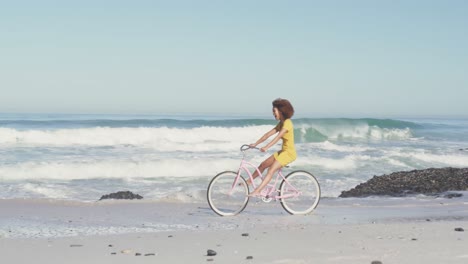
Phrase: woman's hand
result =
(263, 149)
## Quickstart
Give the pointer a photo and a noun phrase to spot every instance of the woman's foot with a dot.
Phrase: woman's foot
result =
(254, 194)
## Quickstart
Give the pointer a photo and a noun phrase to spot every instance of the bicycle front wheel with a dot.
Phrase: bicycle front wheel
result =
(299, 192)
(225, 196)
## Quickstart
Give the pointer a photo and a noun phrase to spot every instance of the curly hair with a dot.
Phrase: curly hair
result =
(284, 107)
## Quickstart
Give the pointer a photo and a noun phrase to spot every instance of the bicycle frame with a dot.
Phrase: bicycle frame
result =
(270, 187)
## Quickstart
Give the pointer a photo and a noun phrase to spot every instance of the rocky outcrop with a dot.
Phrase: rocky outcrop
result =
(428, 181)
(121, 195)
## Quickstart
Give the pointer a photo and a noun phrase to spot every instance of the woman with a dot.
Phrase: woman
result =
(282, 111)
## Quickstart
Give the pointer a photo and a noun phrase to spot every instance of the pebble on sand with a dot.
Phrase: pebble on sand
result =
(459, 229)
(211, 252)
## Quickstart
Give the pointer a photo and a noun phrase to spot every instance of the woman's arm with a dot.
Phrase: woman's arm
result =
(275, 140)
(264, 137)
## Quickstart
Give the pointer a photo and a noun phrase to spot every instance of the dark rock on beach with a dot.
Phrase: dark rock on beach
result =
(127, 195)
(428, 182)
(452, 195)
(211, 252)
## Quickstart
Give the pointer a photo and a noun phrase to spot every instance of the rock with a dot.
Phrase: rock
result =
(211, 252)
(137, 254)
(459, 229)
(428, 182)
(453, 195)
(150, 254)
(376, 262)
(245, 234)
(249, 257)
(127, 195)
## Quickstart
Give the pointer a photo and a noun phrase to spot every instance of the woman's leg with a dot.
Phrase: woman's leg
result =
(265, 164)
(272, 170)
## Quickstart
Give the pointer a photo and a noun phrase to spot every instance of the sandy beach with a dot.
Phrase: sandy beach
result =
(389, 230)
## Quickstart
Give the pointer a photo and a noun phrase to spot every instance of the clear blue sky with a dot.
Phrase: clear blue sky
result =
(330, 58)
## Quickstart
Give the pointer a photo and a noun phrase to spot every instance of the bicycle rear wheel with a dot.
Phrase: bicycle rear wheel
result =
(225, 198)
(299, 192)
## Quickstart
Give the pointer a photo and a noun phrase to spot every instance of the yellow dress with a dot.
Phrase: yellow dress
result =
(287, 154)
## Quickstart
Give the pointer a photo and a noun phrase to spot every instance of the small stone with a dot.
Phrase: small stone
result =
(245, 234)
(459, 229)
(249, 257)
(110, 245)
(75, 245)
(114, 253)
(210, 259)
(169, 236)
(376, 262)
(211, 252)
(414, 239)
(126, 251)
(150, 254)
(137, 254)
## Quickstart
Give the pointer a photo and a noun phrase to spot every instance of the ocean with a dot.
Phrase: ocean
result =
(173, 158)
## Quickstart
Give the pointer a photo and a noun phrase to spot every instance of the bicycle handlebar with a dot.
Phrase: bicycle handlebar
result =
(247, 147)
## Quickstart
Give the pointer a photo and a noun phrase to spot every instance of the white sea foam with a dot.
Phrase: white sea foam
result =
(47, 190)
(349, 162)
(166, 138)
(327, 145)
(201, 138)
(438, 159)
(117, 169)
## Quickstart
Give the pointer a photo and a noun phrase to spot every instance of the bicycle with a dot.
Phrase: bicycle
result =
(227, 193)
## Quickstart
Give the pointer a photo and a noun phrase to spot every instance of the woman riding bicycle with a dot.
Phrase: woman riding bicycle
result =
(282, 111)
